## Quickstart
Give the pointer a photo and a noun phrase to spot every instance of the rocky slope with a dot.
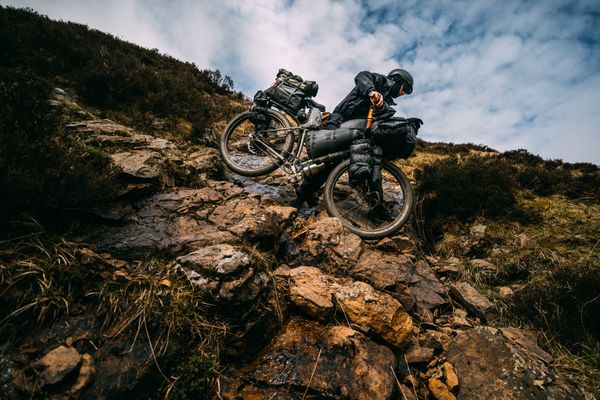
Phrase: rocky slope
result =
(304, 308)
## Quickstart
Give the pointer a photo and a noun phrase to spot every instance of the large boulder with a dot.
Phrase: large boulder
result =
(148, 165)
(375, 311)
(247, 219)
(225, 273)
(179, 221)
(167, 223)
(333, 361)
(489, 366)
(413, 283)
(328, 241)
(311, 291)
(318, 295)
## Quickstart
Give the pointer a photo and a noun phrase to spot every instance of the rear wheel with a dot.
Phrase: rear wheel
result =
(367, 213)
(256, 144)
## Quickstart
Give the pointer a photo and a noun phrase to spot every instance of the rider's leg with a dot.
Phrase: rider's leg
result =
(307, 190)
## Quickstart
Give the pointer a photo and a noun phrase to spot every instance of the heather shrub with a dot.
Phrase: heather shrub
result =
(466, 189)
(114, 75)
(549, 177)
(42, 167)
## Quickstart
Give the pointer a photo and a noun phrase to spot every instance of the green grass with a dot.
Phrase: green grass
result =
(554, 267)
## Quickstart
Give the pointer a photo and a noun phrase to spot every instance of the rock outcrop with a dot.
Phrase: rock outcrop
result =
(490, 366)
(312, 309)
(335, 361)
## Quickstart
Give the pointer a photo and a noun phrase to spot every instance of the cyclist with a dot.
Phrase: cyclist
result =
(370, 88)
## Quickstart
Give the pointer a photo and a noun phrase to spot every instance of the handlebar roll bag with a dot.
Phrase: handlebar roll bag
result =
(396, 137)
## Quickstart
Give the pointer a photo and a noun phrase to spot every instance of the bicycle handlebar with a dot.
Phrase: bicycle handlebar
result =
(370, 115)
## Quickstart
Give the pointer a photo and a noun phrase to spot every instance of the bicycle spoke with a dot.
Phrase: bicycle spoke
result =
(370, 212)
(255, 149)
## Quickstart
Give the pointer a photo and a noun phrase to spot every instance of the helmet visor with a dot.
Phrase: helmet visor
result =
(407, 87)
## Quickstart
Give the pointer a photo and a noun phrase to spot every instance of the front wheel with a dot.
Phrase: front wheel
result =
(255, 144)
(370, 214)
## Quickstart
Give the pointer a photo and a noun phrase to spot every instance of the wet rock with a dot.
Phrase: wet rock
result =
(375, 311)
(101, 126)
(148, 165)
(398, 274)
(476, 303)
(492, 367)
(527, 340)
(328, 239)
(159, 235)
(48, 370)
(317, 294)
(247, 219)
(459, 320)
(225, 273)
(221, 259)
(333, 361)
(174, 222)
(287, 214)
(135, 141)
(205, 164)
(312, 291)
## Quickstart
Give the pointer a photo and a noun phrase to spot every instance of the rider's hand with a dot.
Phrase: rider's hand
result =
(376, 98)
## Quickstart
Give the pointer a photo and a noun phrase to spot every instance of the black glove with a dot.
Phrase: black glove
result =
(415, 122)
(385, 112)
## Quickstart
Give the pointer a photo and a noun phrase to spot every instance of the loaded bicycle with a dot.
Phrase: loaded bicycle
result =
(273, 135)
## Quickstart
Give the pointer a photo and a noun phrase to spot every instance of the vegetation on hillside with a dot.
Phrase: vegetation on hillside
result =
(113, 74)
(45, 168)
(543, 232)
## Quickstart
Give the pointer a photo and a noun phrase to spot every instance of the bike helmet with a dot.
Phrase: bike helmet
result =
(402, 76)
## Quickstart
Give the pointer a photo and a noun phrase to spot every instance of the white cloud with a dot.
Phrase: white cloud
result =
(508, 75)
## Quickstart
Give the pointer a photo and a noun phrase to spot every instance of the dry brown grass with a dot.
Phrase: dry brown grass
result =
(158, 295)
(39, 279)
(554, 267)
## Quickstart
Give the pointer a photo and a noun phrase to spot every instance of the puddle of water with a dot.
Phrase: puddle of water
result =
(262, 189)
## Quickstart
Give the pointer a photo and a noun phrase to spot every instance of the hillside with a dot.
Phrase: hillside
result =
(133, 264)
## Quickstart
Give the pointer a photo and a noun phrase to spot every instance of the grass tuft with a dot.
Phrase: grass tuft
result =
(39, 279)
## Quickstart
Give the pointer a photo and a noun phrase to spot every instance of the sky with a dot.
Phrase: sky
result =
(506, 74)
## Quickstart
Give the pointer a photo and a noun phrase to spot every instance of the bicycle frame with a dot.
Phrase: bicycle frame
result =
(292, 162)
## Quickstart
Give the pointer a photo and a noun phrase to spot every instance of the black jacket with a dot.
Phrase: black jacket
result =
(357, 102)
